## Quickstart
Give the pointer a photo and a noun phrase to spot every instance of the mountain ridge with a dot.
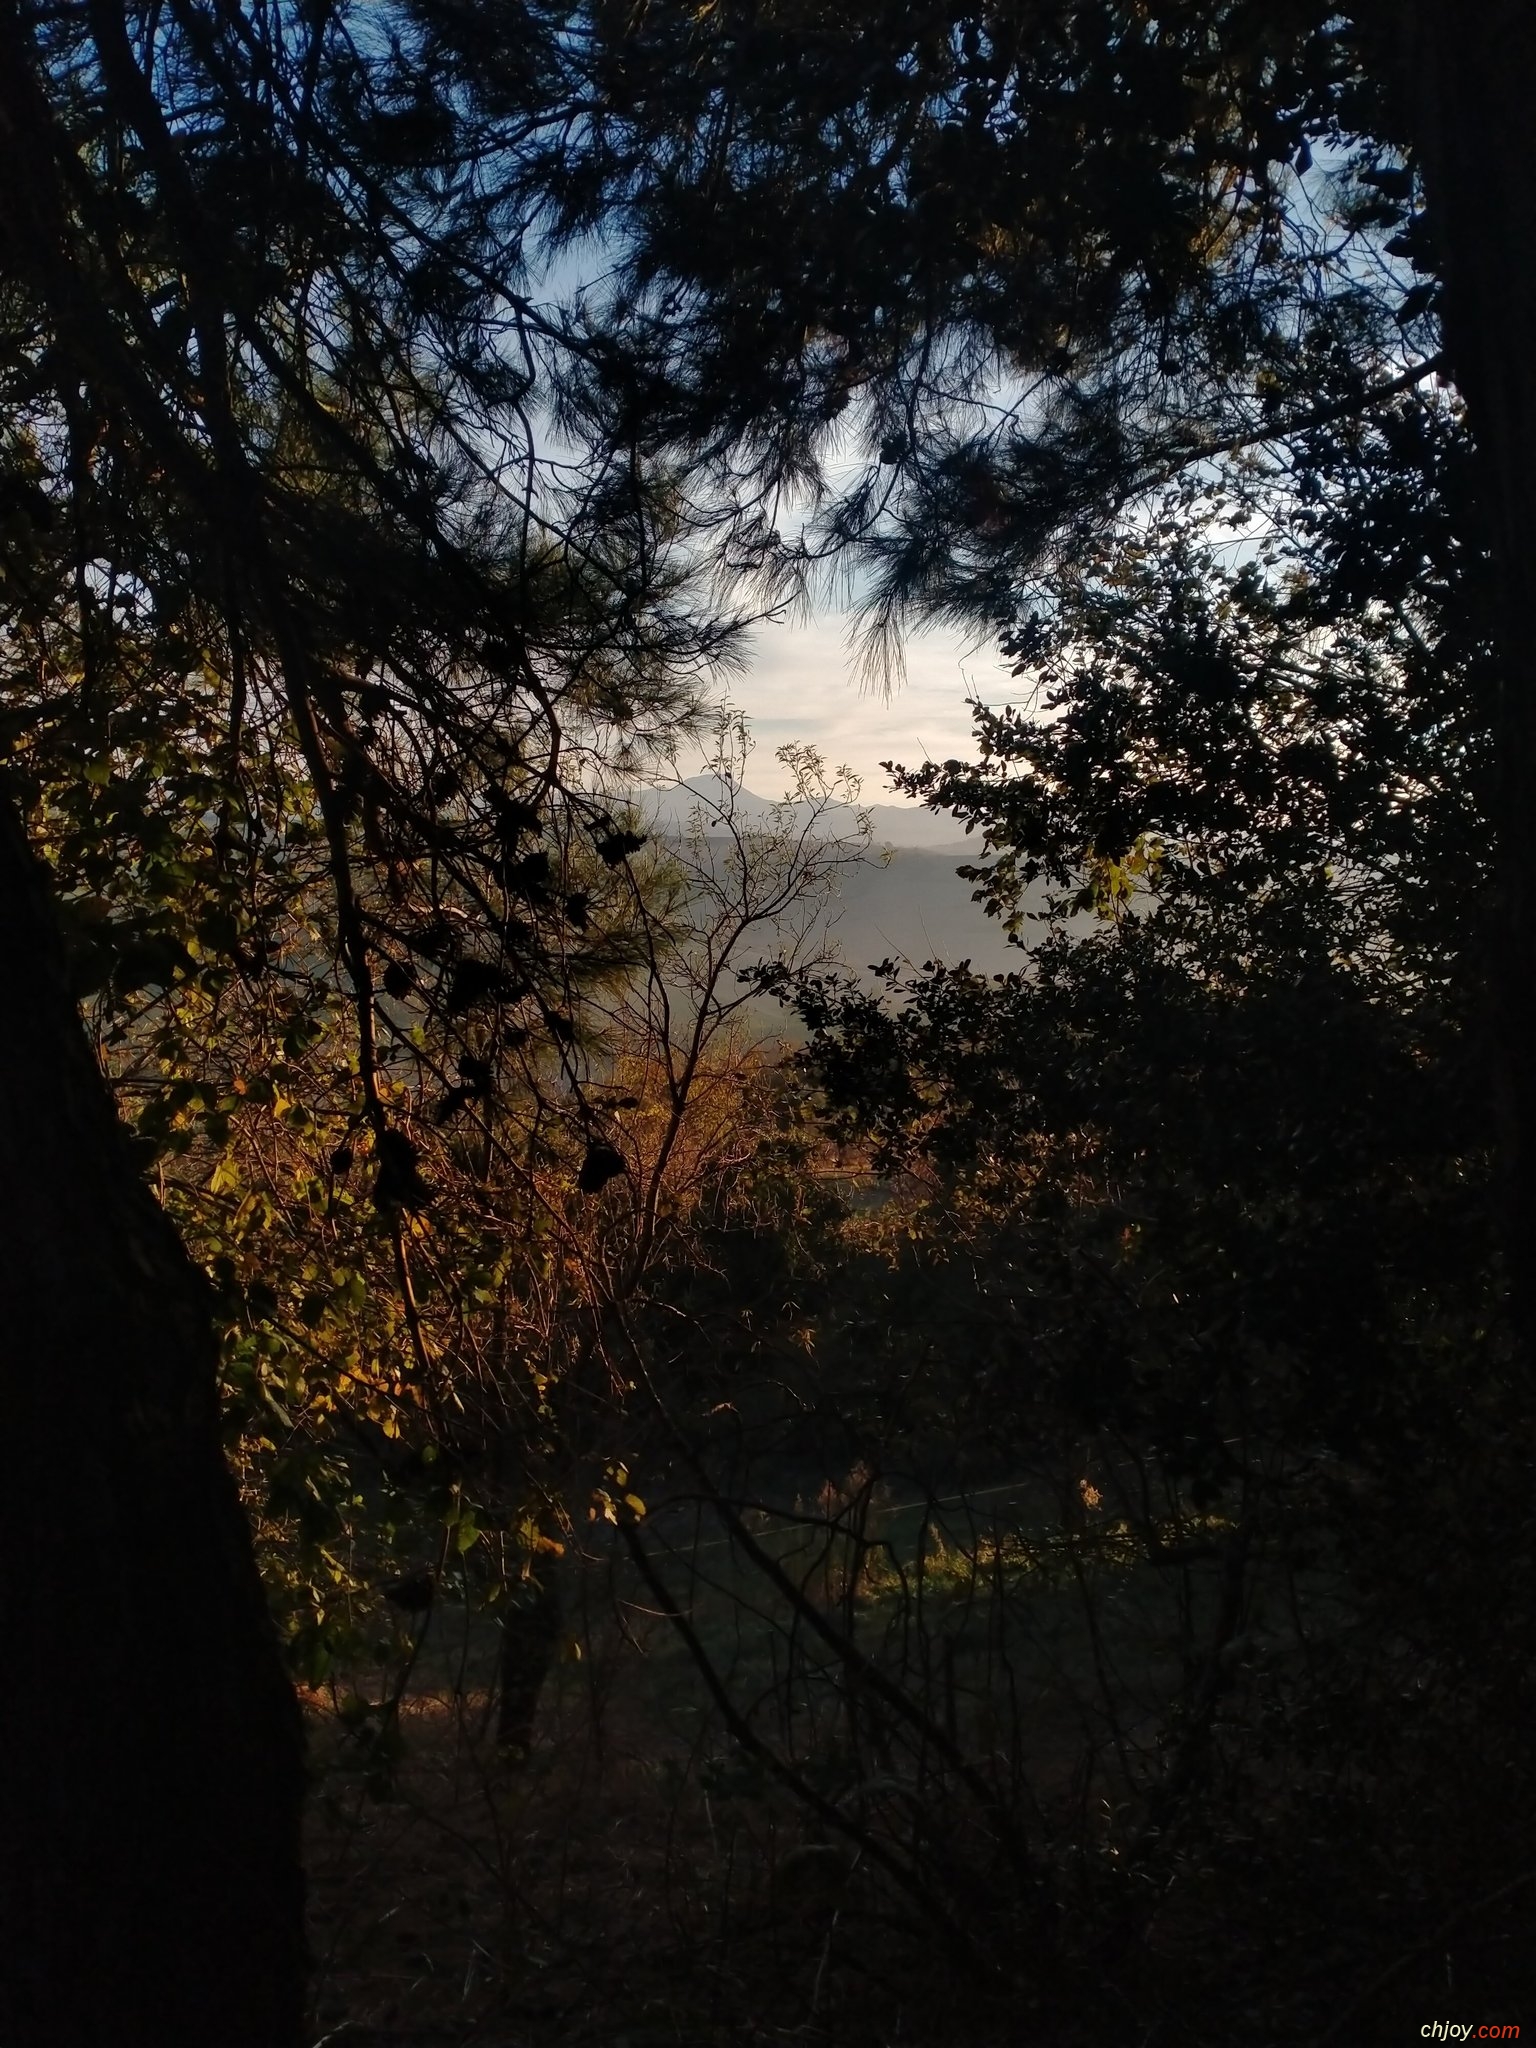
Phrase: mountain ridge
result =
(904, 826)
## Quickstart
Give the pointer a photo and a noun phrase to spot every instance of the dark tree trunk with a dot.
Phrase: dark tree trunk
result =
(1469, 89)
(150, 1886)
(530, 1637)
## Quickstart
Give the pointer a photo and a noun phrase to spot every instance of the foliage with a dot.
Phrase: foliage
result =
(411, 1386)
(1190, 1216)
(350, 582)
(1007, 269)
(284, 506)
(326, 630)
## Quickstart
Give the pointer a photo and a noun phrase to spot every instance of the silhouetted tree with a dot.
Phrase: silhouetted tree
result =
(1029, 264)
(296, 598)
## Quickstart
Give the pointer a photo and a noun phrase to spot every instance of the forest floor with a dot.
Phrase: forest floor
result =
(629, 1883)
(634, 1882)
(594, 1895)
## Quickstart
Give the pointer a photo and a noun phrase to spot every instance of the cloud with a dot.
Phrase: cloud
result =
(800, 685)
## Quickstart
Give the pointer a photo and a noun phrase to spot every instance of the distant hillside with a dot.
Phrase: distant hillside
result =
(902, 825)
(913, 908)
(917, 908)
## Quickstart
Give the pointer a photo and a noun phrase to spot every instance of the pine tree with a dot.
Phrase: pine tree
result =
(1029, 264)
(313, 570)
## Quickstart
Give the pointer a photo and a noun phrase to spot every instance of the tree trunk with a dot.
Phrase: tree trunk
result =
(1469, 79)
(150, 1884)
(530, 1638)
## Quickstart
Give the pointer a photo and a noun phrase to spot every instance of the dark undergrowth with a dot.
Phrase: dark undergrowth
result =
(1350, 1860)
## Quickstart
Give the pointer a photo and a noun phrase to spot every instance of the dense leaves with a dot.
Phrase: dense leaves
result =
(395, 405)
(1017, 265)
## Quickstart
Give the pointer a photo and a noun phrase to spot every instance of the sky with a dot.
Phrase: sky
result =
(800, 685)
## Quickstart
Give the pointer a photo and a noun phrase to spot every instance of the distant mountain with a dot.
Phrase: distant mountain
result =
(916, 908)
(901, 825)
(911, 907)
